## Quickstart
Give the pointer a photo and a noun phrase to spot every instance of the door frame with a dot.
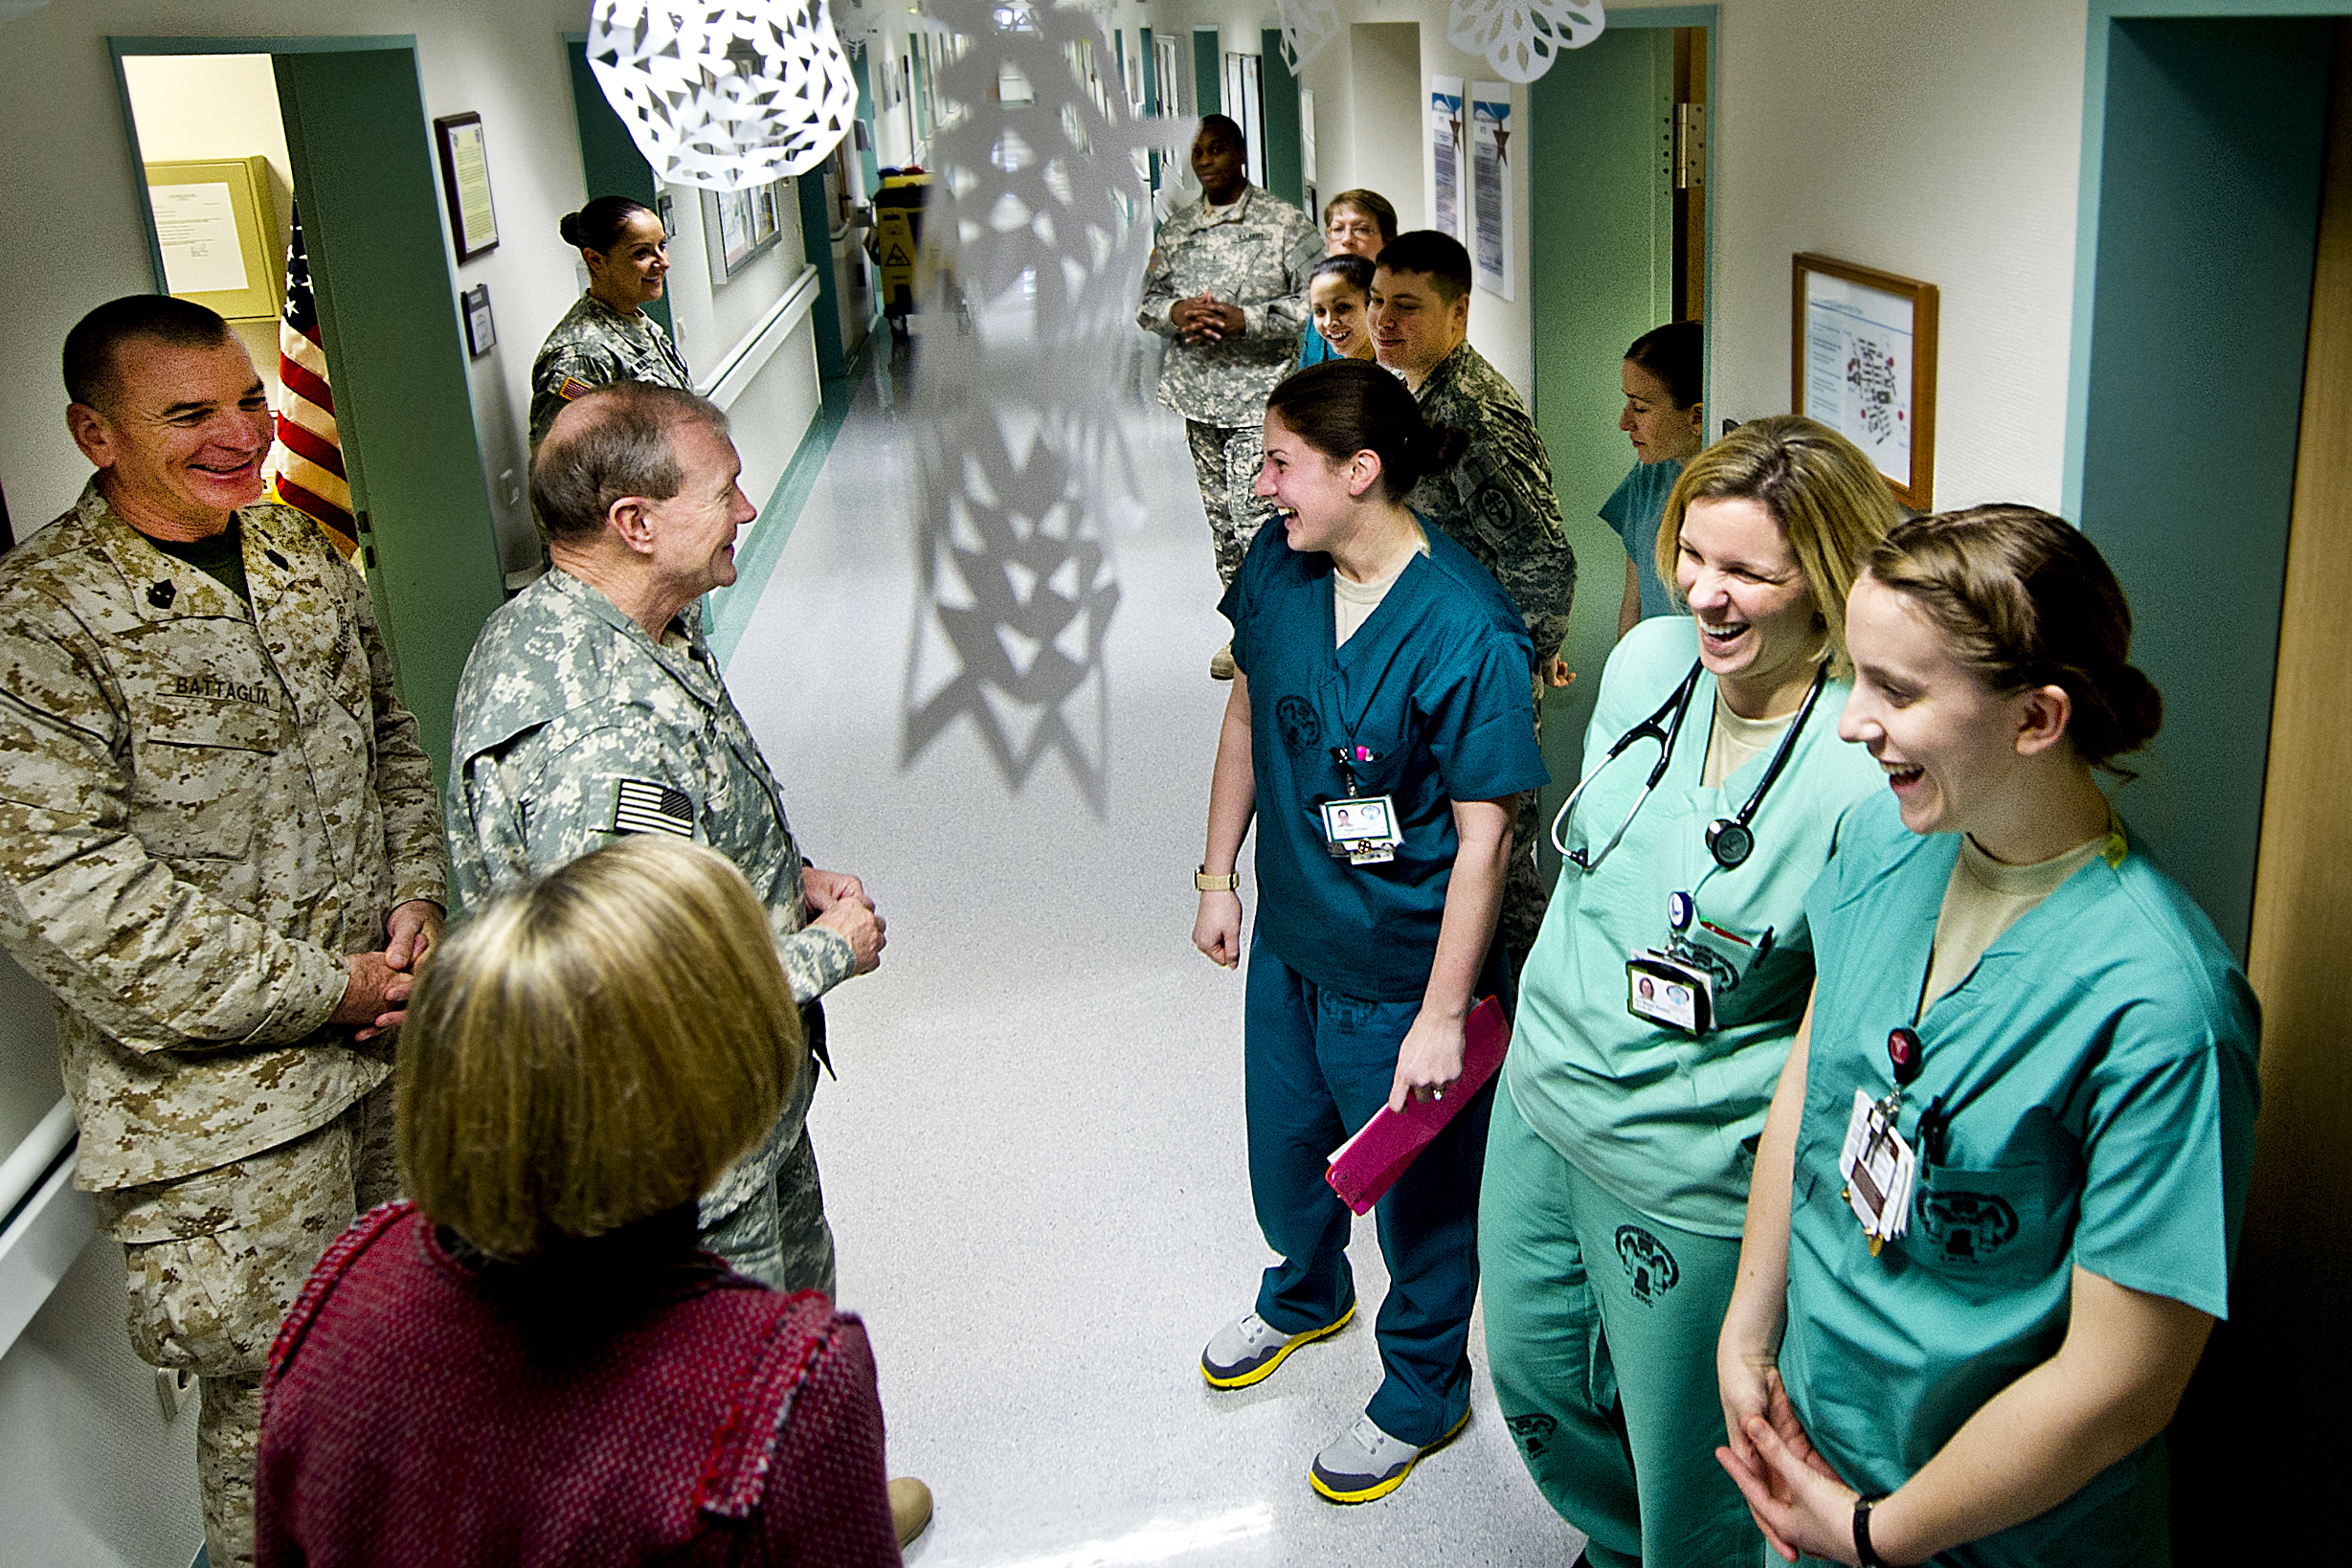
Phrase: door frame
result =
(433, 585)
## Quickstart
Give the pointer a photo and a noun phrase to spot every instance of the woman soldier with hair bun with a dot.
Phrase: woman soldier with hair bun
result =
(1380, 673)
(606, 335)
(1998, 1190)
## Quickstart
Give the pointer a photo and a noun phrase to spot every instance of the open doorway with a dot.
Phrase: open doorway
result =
(1618, 221)
(385, 302)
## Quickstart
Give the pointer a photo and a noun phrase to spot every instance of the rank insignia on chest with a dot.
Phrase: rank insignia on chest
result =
(574, 387)
(641, 806)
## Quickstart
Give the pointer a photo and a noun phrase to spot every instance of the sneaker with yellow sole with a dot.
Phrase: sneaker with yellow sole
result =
(1248, 1348)
(1363, 1461)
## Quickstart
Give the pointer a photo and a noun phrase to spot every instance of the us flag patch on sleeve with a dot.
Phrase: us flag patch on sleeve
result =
(640, 806)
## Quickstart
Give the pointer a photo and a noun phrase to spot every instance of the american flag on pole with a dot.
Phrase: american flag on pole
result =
(310, 477)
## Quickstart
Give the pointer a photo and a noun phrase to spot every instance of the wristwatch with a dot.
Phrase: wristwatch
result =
(1229, 882)
(1864, 1550)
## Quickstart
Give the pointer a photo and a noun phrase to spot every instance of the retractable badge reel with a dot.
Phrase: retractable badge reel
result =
(1877, 1164)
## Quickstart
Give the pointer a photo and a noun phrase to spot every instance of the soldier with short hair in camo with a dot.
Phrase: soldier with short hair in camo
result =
(219, 848)
(1228, 285)
(593, 707)
(1495, 499)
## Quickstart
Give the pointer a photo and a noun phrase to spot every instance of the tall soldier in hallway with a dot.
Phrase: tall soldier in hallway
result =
(1228, 285)
(1495, 500)
(219, 847)
(593, 707)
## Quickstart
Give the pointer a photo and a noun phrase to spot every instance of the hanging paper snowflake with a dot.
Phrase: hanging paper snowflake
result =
(1520, 38)
(856, 22)
(1041, 186)
(1307, 26)
(724, 97)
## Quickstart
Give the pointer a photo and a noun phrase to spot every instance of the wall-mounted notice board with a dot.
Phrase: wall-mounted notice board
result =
(1862, 361)
(218, 231)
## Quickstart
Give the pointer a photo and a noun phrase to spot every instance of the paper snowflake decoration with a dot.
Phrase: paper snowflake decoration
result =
(1044, 193)
(725, 97)
(1520, 38)
(1307, 26)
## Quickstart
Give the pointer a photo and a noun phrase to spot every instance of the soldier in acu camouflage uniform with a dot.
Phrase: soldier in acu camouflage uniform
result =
(1495, 500)
(606, 335)
(219, 848)
(592, 707)
(1227, 282)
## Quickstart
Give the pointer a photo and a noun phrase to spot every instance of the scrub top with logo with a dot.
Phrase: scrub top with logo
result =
(2098, 1065)
(1434, 687)
(1665, 1122)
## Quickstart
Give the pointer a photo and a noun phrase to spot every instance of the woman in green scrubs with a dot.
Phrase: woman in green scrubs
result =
(2017, 1006)
(1617, 1160)
(1378, 733)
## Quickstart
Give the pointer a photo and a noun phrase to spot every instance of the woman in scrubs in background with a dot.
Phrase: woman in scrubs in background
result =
(1618, 1163)
(1667, 424)
(2077, 1100)
(1379, 666)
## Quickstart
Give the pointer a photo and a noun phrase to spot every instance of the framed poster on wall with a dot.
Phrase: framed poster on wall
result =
(1862, 361)
(1445, 145)
(738, 225)
(465, 183)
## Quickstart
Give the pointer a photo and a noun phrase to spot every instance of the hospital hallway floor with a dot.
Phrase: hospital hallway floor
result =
(1033, 1156)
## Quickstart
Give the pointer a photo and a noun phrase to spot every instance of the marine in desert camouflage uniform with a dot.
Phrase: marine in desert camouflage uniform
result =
(1495, 499)
(576, 724)
(1228, 283)
(220, 850)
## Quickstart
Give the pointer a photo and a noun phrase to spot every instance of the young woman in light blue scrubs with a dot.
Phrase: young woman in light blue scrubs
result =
(1617, 1165)
(2067, 1052)
(1377, 661)
(1667, 425)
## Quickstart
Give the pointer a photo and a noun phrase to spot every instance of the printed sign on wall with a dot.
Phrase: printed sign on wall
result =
(1490, 131)
(1445, 139)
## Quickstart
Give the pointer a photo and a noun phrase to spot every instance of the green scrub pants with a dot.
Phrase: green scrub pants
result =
(1601, 1338)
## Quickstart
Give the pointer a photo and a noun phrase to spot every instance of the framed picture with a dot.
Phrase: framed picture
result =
(480, 330)
(1862, 361)
(465, 183)
(738, 225)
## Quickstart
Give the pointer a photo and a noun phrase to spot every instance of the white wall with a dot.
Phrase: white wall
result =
(1959, 165)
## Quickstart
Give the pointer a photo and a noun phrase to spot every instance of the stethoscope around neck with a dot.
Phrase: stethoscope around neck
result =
(1730, 839)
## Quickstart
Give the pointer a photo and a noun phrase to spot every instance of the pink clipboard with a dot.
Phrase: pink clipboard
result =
(1368, 1164)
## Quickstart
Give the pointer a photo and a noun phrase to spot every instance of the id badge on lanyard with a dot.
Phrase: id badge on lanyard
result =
(1676, 985)
(1360, 829)
(1877, 1163)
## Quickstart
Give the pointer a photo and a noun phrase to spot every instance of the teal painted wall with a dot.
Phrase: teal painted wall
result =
(608, 157)
(1596, 198)
(1208, 72)
(396, 362)
(2206, 208)
(1286, 156)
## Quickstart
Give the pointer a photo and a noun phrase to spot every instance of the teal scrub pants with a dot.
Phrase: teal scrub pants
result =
(1601, 1338)
(1319, 1065)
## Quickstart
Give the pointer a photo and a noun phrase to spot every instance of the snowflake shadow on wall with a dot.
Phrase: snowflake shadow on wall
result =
(724, 97)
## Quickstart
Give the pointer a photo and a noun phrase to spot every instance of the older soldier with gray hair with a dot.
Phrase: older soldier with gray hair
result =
(219, 847)
(592, 707)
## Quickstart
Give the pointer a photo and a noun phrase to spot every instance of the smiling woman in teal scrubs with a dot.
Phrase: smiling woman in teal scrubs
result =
(1617, 1165)
(2016, 1004)
(1383, 675)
